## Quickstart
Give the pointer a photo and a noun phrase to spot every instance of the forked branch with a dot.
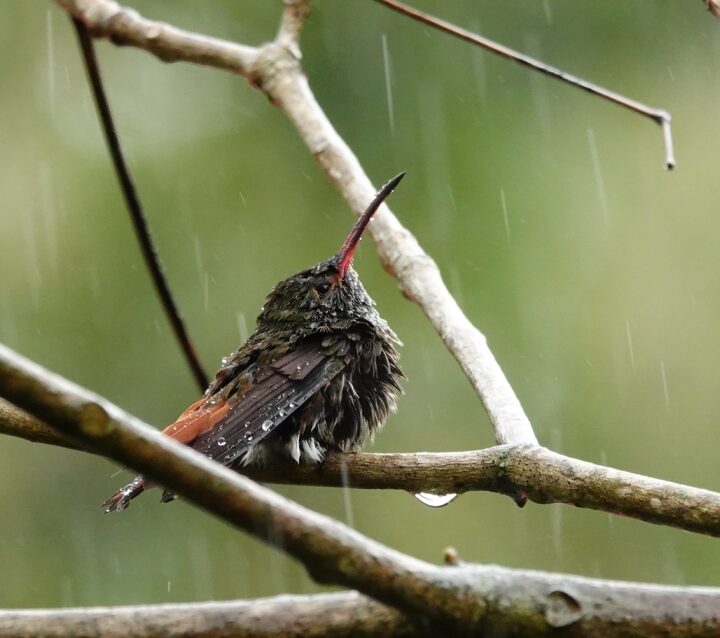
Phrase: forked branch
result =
(522, 472)
(471, 599)
(275, 69)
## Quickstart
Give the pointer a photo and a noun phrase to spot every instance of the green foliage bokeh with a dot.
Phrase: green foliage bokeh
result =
(592, 271)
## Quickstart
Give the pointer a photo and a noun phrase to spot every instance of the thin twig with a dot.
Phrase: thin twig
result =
(522, 472)
(291, 24)
(465, 599)
(142, 230)
(657, 115)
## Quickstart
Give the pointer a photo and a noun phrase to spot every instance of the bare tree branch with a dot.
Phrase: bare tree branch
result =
(275, 69)
(657, 115)
(291, 24)
(331, 552)
(137, 216)
(326, 615)
(521, 472)
(17, 422)
(465, 598)
(573, 606)
(123, 26)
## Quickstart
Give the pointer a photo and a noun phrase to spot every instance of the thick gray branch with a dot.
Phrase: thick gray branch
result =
(275, 69)
(17, 422)
(465, 598)
(519, 471)
(579, 607)
(326, 615)
(331, 552)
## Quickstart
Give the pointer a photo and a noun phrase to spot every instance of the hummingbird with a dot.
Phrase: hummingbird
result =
(321, 372)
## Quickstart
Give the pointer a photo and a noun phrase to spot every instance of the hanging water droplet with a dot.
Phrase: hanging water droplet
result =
(221, 441)
(435, 500)
(267, 425)
(224, 361)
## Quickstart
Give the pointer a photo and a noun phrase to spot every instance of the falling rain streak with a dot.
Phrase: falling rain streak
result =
(665, 385)
(347, 494)
(50, 60)
(506, 219)
(388, 83)
(242, 327)
(628, 333)
(599, 181)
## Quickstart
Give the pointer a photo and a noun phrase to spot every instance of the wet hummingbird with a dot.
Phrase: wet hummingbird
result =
(321, 372)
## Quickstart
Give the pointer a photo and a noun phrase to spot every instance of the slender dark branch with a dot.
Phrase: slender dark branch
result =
(520, 471)
(342, 615)
(452, 600)
(658, 115)
(142, 230)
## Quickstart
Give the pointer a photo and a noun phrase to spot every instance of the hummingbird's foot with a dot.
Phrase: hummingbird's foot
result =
(121, 499)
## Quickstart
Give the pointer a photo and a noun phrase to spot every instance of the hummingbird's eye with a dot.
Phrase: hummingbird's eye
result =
(322, 288)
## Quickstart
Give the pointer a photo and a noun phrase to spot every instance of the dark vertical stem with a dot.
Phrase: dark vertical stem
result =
(142, 231)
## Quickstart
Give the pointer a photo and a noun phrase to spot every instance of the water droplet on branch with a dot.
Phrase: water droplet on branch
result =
(435, 500)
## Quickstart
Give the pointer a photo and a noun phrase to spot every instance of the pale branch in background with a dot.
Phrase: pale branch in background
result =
(521, 472)
(124, 26)
(277, 72)
(275, 69)
(460, 598)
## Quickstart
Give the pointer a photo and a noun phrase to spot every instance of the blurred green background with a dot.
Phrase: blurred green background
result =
(592, 271)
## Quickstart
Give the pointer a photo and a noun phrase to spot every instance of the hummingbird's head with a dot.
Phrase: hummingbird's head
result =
(328, 295)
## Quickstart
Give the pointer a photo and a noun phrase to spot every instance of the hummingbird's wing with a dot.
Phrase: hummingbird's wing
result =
(270, 394)
(249, 400)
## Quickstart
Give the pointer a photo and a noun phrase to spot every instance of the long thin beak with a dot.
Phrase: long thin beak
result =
(347, 251)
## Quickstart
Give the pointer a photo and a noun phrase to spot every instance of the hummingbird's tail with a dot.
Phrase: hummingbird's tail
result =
(121, 499)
